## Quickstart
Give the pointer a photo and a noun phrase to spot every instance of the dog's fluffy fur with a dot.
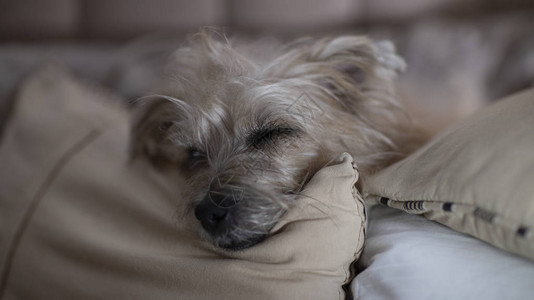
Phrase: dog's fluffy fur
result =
(249, 127)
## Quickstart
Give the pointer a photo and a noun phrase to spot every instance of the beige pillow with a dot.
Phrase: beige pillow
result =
(79, 221)
(477, 177)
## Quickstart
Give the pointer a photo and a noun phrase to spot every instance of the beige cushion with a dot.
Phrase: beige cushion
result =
(477, 177)
(79, 221)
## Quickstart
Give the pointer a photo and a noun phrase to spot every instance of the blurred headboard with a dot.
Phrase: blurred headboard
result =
(75, 19)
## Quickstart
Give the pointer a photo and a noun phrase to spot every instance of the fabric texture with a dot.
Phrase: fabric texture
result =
(477, 177)
(79, 220)
(410, 257)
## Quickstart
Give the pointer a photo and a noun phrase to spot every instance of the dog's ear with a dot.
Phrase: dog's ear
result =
(152, 122)
(346, 67)
(348, 54)
(387, 57)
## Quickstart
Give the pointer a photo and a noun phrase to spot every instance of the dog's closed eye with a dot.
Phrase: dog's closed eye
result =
(196, 157)
(262, 137)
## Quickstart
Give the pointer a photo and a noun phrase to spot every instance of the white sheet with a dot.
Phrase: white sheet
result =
(410, 257)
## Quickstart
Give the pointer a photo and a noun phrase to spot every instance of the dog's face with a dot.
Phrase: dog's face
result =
(248, 132)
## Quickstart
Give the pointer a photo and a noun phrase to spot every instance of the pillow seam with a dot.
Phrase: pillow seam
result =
(58, 166)
(521, 230)
(351, 274)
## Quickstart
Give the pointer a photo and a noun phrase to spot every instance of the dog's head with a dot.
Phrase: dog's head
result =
(249, 129)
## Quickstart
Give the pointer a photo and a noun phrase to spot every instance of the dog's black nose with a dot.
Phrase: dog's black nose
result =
(213, 214)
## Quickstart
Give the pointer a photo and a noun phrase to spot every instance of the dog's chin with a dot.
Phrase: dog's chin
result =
(237, 245)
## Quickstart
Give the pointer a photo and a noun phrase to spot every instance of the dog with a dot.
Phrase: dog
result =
(249, 125)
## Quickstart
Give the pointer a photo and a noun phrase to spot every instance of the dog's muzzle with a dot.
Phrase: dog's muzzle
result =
(221, 215)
